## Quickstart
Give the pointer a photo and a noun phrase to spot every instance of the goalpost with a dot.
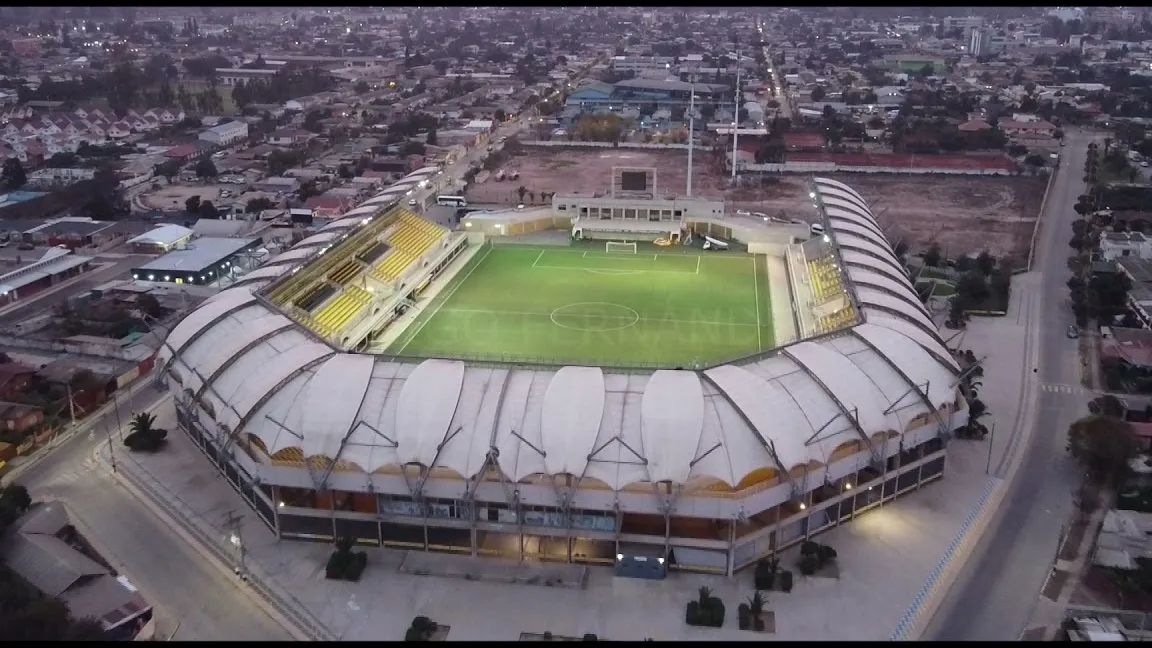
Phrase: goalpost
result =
(624, 248)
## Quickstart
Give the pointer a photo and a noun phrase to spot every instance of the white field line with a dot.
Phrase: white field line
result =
(435, 310)
(584, 255)
(607, 317)
(756, 284)
(538, 258)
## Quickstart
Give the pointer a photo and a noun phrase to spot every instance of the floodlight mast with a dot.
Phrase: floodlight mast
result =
(736, 120)
(691, 131)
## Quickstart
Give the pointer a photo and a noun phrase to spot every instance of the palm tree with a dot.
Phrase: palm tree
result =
(520, 191)
(142, 423)
(756, 604)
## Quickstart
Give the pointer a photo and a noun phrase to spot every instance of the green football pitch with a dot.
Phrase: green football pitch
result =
(587, 306)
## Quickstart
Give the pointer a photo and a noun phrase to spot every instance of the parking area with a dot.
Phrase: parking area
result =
(176, 195)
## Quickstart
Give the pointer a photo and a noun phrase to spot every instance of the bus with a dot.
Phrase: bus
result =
(453, 201)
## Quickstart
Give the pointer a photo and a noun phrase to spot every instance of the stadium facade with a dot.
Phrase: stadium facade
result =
(711, 469)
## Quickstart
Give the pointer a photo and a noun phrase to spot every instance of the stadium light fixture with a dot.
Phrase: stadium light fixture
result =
(803, 506)
(619, 556)
(812, 195)
(826, 239)
(847, 486)
(280, 505)
(660, 560)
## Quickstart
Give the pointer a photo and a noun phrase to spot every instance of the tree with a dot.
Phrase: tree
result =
(933, 256)
(1103, 445)
(149, 305)
(818, 93)
(986, 263)
(169, 169)
(521, 191)
(208, 210)
(206, 168)
(257, 205)
(345, 172)
(13, 176)
(362, 87)
(192, 205)
(974, 287)
(432, 138)
(499, 115)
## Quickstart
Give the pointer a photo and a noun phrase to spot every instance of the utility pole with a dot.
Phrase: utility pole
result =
(108, 431)
(232, 522)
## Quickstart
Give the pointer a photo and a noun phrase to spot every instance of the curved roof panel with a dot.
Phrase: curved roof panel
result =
(259, 373)
(671, 420)
(427, 403)
(570, 417)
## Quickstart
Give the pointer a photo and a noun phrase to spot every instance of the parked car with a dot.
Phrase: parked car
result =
(26, 246)
(1073, 332)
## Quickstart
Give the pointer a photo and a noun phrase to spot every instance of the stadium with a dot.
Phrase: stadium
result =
(624, 393)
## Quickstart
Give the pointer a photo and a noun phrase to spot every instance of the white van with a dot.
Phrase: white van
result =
(816, 228)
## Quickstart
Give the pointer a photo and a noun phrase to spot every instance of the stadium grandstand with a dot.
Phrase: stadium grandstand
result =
(711, 468)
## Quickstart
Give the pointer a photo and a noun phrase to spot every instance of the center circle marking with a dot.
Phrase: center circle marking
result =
(594, 317)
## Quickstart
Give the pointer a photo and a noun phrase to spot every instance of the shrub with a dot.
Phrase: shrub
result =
(808, 564)
(590, 637)
(356, 566)
(414, 635)
(337, 566)
(743, 616)
(692, 613)
(547, 635)
(758, 624)
(716, 612)
(809, 548)
(423, 624)
(765, 575)
(825, 555)
(786, 580)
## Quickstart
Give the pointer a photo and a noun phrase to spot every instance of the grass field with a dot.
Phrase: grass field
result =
(586, 306)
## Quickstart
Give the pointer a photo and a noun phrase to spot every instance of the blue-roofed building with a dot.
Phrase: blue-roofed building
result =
(630, 95)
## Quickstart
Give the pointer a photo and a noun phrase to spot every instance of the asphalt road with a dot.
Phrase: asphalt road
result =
(90, 281)
(166, 569)
(994, 598)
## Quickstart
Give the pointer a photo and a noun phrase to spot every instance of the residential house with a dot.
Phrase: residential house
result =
(167, 116)
(18, 417)
(290, 137)
(1116, 245)
(328, 207)
(1038, 127)
(275, 184)
(45, 550)
(119, 130)
(15, 379)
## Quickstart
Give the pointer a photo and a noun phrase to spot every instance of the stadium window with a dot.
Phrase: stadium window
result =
(630, 214)
(562, 208)
(678, 213)
(583, 210)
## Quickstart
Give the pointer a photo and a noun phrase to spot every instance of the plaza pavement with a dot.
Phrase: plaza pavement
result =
(892, 561)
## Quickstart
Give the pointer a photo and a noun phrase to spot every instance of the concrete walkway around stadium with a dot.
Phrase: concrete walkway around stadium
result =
(889, 559)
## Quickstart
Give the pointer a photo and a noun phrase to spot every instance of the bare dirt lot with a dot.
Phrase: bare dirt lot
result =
(174, 196)
(961, 213)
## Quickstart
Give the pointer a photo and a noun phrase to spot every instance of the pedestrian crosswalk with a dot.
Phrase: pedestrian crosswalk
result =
(1063, 389)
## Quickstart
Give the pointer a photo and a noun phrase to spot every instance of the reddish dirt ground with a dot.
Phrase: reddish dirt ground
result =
(961, 213)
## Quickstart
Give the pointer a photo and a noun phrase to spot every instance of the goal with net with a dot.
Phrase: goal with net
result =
(620, 248)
